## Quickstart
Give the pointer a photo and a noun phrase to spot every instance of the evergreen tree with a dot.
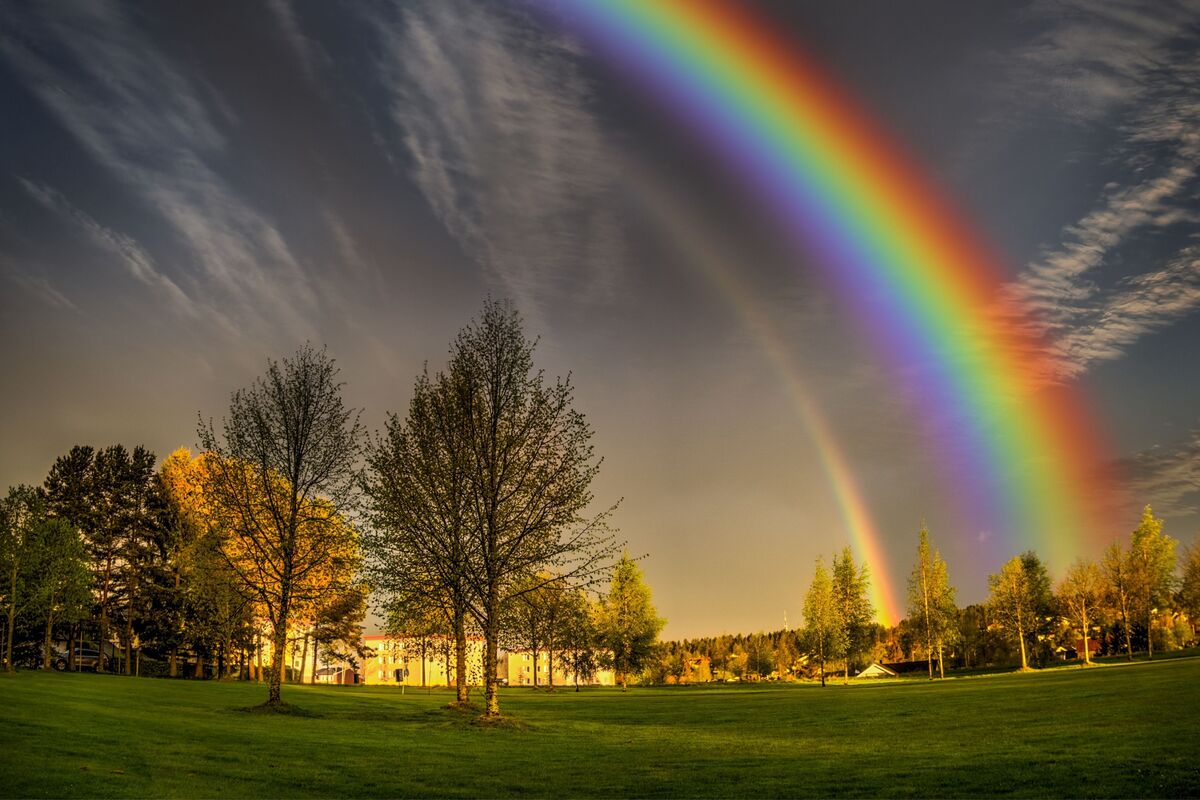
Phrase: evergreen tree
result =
(627, 621)
(824, 637)
(1152, 558)
(853, 609)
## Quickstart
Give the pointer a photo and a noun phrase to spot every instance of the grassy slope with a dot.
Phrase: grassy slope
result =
(1109, 731)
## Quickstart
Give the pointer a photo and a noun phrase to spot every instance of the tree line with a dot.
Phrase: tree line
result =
(472, 514)
(1143, 595)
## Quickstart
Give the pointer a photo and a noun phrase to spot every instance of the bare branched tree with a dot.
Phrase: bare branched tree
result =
(282, 481)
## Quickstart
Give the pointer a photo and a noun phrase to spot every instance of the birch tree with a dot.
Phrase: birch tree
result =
(931, 601)
(530, 463)
(283, 471)
(1019, 598)
(1080, 592)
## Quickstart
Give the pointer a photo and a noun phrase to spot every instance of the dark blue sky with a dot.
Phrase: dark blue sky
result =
(189, 189)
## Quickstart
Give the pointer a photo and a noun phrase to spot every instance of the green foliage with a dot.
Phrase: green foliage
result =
(931, 603)
(1021, 601)
(627, 621)
(852, 608)
(1152, 562)
(824, 636)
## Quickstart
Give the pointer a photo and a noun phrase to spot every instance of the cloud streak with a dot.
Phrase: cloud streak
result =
(158, 133)
(493, 120)
(1150, 84)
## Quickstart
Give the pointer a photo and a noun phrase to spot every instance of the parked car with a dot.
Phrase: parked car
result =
(86, 657)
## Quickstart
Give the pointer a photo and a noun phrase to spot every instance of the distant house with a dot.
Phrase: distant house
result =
(904, 667)
(1076, 650)
(877, 671)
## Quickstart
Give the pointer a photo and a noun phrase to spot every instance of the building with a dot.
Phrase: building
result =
(877, 671)
(418, 661)
(517, 668)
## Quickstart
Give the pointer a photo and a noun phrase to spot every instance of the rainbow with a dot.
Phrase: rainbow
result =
(851, 506)
(1017, 445)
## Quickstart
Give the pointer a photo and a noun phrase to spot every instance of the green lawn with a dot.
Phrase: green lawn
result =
(1122, 731)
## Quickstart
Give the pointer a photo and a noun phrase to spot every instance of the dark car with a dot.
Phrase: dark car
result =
(86, 657)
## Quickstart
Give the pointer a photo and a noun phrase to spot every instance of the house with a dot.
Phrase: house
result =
(877, 671)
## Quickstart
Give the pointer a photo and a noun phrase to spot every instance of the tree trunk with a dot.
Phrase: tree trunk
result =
(173, 662)
(941, 660)
(315, 645)
(1021, 640)
(12, 614)
(220, 660)
(278, 646)
(1149, 634)
(1125, 624)
(491, 695)
(198, 671)
(129, 640)
(1087, 650)
(258, 669)
(303, 657)
(48, 644)
(462, 690)
(73, 642)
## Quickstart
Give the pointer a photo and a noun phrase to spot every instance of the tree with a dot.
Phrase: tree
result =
(931, 601)
(529, 465)
(823, 636)
(578, 636)
(627, 621)
(417, 487)
(1117, 568)
(1152, 558)
(1019, 598)
(852, 608)
(21, 513)
(61, 585)
(283, 470)
(1080, 593)
(1189, 586)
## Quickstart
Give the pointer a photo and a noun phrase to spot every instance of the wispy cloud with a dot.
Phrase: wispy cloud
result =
(1167, 478)
(159, 133)
(36, 284)
(1108, 63)
(131, 256)
(493, 118)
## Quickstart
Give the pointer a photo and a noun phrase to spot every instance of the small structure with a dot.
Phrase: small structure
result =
(877, 671)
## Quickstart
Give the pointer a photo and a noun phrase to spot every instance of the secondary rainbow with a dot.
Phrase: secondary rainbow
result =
(1018, 446)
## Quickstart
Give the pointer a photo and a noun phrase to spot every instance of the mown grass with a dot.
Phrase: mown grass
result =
(1110, 731)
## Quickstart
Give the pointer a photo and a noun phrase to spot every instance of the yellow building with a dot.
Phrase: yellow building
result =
(415, 661)
(518, 668)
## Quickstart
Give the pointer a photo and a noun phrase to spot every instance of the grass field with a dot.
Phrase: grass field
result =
(1112, 731)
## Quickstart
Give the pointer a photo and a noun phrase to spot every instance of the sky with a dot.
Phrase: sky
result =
(190, 189)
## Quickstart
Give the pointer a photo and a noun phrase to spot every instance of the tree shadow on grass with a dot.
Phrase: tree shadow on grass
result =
(279, 709)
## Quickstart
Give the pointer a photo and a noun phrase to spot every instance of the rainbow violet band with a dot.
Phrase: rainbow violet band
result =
(1019, 446)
